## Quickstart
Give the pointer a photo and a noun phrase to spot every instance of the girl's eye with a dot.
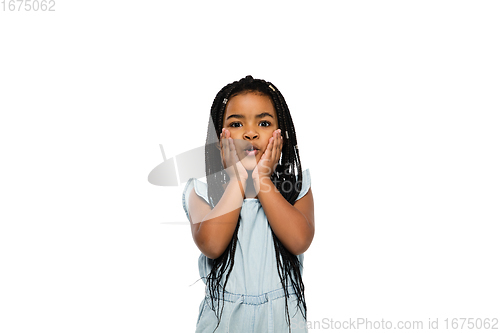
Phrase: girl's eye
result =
(237, 124)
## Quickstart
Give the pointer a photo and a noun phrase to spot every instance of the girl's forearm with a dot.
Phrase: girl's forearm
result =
(217, 227)
(290, 226)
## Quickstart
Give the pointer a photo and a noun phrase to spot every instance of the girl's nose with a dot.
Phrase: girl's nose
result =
(251, 135)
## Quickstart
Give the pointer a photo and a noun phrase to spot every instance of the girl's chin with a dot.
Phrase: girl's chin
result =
(249, 166)
(250, 162)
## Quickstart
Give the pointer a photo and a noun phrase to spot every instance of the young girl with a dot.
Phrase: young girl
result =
(255, 218)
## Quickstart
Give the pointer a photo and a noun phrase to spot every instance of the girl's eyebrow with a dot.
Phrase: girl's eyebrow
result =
(260, 115)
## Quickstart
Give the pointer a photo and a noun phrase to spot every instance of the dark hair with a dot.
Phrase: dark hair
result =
(287, 170)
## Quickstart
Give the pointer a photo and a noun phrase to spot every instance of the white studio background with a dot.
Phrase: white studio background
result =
(396, 109)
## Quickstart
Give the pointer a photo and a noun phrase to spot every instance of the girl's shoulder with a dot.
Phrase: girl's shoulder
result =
(196, 186)
(306, 183)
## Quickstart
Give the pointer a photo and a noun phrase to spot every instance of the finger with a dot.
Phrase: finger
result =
(228, 143)
(271, 146)
(232, 150)
(273, 151)
(226, 149)
(221, 147)
(272, 141)
(230, 156)
(222, 159)
(281, 147)
(269, 151)
(280, 144)
(277, 149)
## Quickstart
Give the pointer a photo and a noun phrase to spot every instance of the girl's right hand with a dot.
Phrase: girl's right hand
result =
(232, 164)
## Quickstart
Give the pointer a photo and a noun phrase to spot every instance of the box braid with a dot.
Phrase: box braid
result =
(286, 171)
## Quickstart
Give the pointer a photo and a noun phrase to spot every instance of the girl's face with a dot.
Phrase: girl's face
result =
(251, 120)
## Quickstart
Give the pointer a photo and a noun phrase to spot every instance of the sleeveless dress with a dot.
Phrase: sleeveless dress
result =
(254, 298)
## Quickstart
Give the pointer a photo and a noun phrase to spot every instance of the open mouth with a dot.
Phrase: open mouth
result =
(251, 151)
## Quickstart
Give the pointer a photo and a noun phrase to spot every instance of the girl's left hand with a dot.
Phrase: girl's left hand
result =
(270, 158)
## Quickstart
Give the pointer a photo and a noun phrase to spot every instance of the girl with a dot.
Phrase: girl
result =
(255, 218)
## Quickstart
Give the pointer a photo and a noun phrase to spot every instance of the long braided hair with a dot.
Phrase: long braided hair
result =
(288, 170)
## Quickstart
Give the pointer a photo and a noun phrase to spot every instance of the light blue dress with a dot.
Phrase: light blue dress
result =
(254, 298)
